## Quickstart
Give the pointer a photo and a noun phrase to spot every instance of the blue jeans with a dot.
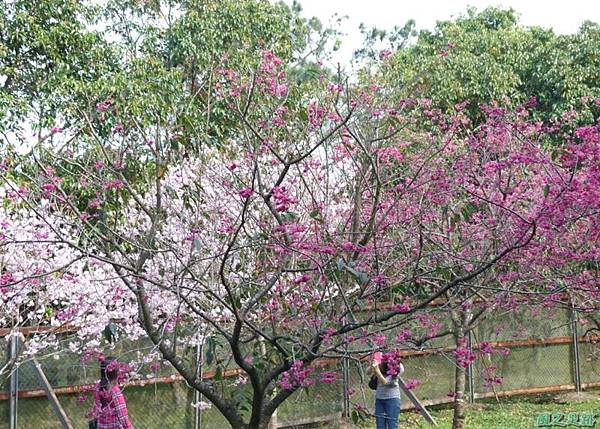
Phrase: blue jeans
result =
(387, 412)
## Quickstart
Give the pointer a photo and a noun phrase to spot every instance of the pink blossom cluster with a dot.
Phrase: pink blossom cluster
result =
(316, 114)
(6, 279)
(394, 361)
(328, 377)
(463, 355)
(272, 77)
(298, 375)
(283, 201)
(105, 105)
(412, 383)
(490, 378)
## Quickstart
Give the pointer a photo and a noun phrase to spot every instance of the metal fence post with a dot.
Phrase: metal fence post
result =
(14, 381)
(470, 369)
(198, 395)
(576, 363)
(346, 410)
(51, 395)
(345, 387)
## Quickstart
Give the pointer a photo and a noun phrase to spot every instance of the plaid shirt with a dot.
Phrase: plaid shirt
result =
(114, 415)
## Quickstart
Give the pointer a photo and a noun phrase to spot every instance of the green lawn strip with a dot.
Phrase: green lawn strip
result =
(513, 413)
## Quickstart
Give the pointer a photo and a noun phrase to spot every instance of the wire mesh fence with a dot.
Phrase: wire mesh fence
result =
(541, 359)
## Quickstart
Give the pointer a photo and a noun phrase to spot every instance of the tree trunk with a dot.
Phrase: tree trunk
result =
(264, 423)
(461, 320)
(460, 384)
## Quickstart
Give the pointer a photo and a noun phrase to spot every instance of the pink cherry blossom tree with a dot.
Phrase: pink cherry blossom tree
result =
(553, 187)
(271, 245)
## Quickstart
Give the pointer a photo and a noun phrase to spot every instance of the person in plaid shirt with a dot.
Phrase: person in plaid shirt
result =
(110, 409)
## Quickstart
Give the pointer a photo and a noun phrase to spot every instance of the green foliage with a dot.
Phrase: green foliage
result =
(183, 45)
(157, 63)
(47, 48)
(157, 60)
(239, 29)
(485, 56)
(395, 39)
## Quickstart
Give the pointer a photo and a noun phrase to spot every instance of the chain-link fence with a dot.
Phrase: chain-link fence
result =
(544, 357)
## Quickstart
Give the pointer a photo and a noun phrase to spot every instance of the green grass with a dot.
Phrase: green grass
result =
(513, 413)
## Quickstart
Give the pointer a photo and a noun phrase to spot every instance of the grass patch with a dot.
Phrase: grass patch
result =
(169, 406)
(511, 413)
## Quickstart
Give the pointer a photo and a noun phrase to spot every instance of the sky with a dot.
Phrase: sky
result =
(564, 16)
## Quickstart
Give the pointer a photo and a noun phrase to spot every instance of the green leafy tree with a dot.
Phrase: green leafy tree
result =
(47, 49)
(488, 56)
(178, 48)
